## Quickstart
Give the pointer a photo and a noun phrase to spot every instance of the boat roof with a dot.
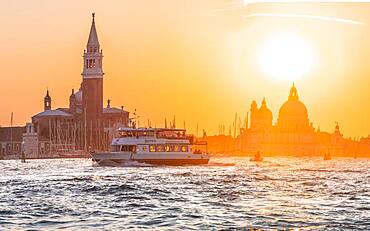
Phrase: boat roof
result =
(150, 129)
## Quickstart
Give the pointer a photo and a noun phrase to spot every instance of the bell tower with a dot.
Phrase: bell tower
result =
(47, 101)
(254, 115)
(92, 78)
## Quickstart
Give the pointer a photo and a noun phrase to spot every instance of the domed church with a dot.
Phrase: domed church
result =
(293, 116)
(292, 134)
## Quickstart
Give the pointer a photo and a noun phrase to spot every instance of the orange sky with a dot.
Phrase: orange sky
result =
(184, 58)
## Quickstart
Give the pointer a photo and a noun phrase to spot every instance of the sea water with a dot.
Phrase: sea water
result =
(229, 193)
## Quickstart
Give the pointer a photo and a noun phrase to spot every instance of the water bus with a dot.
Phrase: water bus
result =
(156, 146)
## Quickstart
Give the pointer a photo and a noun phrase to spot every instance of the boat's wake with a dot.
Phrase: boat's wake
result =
(219, 164)
(126, 163)
(133, 163)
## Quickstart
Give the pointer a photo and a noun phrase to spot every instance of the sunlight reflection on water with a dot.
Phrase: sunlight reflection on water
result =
(228, 193)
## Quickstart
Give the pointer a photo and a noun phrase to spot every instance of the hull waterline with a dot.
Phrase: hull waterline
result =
(167, 162)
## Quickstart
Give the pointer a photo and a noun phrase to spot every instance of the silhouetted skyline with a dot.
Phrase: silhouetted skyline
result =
(187, 59)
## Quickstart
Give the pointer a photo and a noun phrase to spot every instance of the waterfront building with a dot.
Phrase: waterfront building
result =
(86, 124)
(11, 141)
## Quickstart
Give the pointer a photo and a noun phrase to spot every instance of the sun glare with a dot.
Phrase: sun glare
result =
(285, 57)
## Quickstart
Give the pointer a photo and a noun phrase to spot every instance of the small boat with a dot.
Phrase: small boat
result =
(155, 146)
(327, 156)
(257, 157)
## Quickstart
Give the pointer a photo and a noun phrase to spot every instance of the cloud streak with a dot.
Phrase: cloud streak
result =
(246, 2)
(305, 16)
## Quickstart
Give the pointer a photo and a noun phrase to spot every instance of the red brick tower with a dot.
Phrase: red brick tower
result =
(92, 87)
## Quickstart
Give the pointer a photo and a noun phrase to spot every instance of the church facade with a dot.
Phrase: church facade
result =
(86, 124)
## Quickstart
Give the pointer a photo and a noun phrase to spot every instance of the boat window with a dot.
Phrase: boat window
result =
(136, 133)
(145, 148)
(171, 134)
(128, 148)
(168, 148)
(151, 148)
(115, 148)
(160, 148)
(184, 148)
(176, 148)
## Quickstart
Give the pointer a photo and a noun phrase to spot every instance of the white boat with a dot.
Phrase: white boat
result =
(156, 146)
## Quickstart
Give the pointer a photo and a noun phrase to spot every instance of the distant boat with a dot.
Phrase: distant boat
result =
(327, 156)
(257, 157)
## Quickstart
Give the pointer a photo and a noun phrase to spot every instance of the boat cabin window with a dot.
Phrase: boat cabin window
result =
(136, 134)
(184, 148)
(160, 148)
(115, 148)
(169, 134)
(168, 148)
(128, 148)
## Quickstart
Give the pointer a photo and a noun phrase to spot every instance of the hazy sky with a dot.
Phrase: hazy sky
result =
(190, 58)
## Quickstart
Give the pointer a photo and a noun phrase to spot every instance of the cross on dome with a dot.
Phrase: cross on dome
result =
(293, 95)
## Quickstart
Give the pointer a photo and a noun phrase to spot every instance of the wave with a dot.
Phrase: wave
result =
(328, 170)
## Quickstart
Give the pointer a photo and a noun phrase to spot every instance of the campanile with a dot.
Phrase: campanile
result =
(92, 79)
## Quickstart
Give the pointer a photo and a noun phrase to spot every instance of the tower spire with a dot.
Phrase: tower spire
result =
(93, 57)
(93, 40)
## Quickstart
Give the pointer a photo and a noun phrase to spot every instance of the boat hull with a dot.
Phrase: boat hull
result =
(120, 159)
(174, 162)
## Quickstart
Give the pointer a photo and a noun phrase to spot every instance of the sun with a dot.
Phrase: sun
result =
(286, 57)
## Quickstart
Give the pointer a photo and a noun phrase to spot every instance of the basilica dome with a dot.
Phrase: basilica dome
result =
(293, 114)
(294, 109)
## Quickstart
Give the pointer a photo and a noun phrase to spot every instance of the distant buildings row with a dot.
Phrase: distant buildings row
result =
(293, 134)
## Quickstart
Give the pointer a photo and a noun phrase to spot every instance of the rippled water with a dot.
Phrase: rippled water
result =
(228, 193)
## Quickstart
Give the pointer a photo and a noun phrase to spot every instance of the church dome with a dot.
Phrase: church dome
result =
(293, 114)
(294, 109)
